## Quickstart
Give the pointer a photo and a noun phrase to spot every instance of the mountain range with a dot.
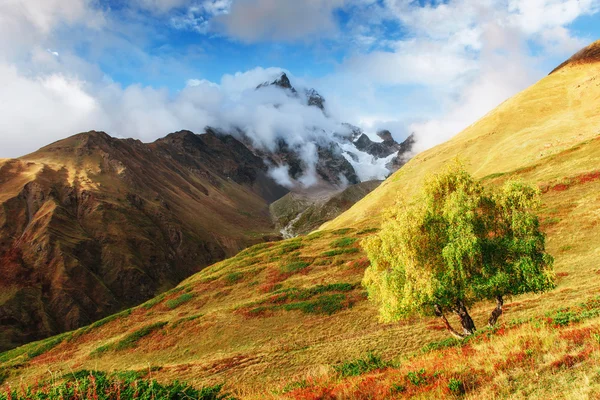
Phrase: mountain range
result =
(289, 318)
(92, 224)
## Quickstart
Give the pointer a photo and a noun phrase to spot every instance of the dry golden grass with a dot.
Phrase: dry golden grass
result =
(547, 135)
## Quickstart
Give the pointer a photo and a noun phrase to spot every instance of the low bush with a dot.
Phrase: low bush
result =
(326, 304)
(455, 386)
(417, 378)
(367, 230)
(361, 366)
(343, 242)
(176, 302)
(294, 266)
(337, 252)
(233, 278)
(83, 385)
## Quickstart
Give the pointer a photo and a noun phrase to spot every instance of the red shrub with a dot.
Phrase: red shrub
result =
(577, 336)
(569, 360)
(589, 177)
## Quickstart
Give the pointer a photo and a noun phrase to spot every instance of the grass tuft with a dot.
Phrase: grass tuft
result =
(176, 302)
(370, 362)
(129, 341)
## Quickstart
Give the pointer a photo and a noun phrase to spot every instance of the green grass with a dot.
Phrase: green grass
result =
(233, 278)
(325, 304)
(186, 319)
(152, 302)
(342, 231)
(35, 349)
(337, 252)
(176, 302)
(315, 300)
(294, 266)
(289, 247)
(370, 362)
(367, 231)
(130, 340)
(343, 242)
(101, 386)
(417, 378)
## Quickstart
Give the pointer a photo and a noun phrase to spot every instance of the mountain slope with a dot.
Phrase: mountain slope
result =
(551, 116)
(289, 311)
(91, 224)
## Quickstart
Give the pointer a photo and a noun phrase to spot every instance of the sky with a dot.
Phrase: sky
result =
(145, 68)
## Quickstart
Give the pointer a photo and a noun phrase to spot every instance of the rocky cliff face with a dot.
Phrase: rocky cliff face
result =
(92, 224)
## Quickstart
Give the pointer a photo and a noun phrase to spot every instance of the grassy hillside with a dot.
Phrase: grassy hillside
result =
(552, 116)
(290, 318)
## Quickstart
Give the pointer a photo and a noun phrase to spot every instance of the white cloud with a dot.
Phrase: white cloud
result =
(37, 111)
(261, 20)
(467, 55)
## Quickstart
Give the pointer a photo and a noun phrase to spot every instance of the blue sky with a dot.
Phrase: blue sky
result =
(430, 67)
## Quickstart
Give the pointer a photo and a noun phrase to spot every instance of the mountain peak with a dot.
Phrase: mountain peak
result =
(282, 82)
(587, 55)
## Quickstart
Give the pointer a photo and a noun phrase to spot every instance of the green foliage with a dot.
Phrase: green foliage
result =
(315, 235)
(569, 316)
(35, 349)
(110, 318)
(130, 340)
(341, 231)
(456, 386)
(367, 230)
(417, 378)
(254, 249)
(325, 304)
(186, 319)
(288, 247)
(152, 302)
(397, 388)
(337, 252)
(442, 344)
(304, 294)
(47, 345)
(233, 278)
(99, 385)
(315, 300)
(176, 302)
(370, 362)
(294, 266)
(343, 242)
(457, 243)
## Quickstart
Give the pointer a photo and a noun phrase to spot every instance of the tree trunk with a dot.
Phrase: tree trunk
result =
(440, 314)
(497, 311)
(465, 319)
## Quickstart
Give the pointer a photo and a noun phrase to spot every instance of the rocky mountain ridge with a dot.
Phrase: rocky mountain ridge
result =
(91, 224)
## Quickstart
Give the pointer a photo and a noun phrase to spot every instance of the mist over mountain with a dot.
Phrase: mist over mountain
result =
(305, 147)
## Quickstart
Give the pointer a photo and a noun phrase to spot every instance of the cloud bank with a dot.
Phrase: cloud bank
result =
(431, 67)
